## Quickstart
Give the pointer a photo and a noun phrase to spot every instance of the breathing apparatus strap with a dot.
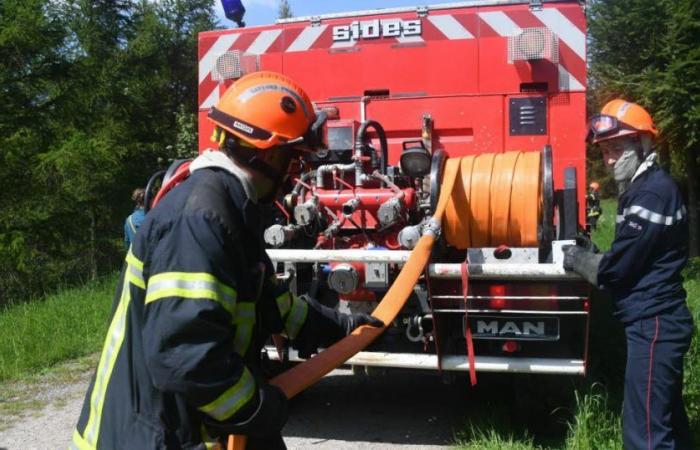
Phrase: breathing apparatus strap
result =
(467, 328)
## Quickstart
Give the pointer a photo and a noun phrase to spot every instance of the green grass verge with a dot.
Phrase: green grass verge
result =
(605, 232)
(594, 421)
(70, 324)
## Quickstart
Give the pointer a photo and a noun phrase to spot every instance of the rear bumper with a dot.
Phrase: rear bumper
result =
(459, 363)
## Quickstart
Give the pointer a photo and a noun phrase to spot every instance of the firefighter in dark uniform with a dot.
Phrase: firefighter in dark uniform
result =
(642, 272)
(198, 295)
(593, 209)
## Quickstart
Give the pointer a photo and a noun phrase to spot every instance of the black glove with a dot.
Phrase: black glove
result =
(586, 243)
(325, 325)
(582, 261)
(349, 322)
(267, 420)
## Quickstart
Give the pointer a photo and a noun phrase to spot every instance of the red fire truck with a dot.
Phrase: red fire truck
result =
(404, 90)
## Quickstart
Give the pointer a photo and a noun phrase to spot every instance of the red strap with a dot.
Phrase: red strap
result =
(468, 336)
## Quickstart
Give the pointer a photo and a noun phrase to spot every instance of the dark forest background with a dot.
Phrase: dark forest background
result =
(97, 95)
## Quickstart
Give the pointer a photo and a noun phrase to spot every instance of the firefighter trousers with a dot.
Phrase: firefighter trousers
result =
(654, 415)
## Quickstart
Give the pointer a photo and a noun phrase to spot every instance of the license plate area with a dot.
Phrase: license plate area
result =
(526, 328)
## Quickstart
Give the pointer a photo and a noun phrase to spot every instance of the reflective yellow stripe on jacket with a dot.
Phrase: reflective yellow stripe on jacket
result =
(112, 345)
(296, 316)
(193, 286)
(233, 399)
(79, 443)
(134, 270)
(244, 319)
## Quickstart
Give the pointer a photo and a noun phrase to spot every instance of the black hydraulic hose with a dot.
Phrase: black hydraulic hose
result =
(303, 179)
(149, 188)
(360, 138)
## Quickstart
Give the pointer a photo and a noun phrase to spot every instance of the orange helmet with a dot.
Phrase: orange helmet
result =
(620, 118)
(265, 109)
(594, 185)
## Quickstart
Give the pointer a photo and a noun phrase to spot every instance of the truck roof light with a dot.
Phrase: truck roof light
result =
(532, 44)
(234, 64)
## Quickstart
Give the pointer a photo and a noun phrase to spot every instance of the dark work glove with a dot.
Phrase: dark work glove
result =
(325, 325)
(267, 420)
(586, 243)
(351, 321)
(582, 261)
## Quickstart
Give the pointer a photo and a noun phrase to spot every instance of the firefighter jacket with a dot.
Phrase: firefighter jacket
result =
(593, 204)
(642, 270)
(180, 350)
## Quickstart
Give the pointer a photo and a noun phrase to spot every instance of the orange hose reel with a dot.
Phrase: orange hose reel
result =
(495, 201)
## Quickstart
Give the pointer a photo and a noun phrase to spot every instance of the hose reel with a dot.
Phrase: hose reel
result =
(499, 199)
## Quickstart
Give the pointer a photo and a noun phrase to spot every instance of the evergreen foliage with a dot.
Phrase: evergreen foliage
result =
(95, 93)
(284, 11)
(648, 51)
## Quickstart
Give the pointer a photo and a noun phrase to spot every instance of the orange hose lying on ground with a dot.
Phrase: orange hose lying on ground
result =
(465, 202)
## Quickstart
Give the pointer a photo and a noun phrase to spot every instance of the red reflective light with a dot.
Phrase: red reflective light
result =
(510, 346)
(497, 292)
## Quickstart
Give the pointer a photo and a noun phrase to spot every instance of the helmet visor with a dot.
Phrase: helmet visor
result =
(603, 125)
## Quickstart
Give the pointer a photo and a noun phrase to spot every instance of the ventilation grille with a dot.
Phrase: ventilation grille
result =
(234, 64)
(533, 44)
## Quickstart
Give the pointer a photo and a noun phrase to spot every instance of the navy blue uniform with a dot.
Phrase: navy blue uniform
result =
(178, 366)
(642, 271)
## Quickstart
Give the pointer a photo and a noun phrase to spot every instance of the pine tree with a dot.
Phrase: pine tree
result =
(647, 51)
(284, 11)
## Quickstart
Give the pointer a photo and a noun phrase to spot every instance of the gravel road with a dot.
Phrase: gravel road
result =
(399, 410)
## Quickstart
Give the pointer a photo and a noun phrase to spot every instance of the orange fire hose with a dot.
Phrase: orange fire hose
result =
(468, 213)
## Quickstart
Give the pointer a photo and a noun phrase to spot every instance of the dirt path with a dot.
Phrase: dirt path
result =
(396, 411)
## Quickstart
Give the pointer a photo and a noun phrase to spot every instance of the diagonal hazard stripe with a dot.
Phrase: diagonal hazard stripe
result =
(500, 22)
(212, 99)
(222, 44)
(562, 27)
(306, 38)
(263, 41)
(450, 27)
(567, 82)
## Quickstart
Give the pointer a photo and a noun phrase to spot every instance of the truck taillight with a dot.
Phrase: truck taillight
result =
(497, 293)
(510, 346)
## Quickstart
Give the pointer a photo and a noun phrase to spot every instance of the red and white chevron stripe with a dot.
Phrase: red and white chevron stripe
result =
(568, 27)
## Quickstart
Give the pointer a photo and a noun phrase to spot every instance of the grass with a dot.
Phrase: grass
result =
(605, 232)
(594, 421)
(69, 324)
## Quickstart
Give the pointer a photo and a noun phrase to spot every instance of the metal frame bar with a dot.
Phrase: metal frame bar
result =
(458, 363)
(508, 297)
(513, 311)
(371, 12)
(504, 271)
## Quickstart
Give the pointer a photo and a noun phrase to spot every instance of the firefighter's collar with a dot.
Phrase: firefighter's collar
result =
(214, 158)
(649, 161)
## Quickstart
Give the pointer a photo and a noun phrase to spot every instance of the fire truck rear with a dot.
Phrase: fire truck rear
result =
(499, 84)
